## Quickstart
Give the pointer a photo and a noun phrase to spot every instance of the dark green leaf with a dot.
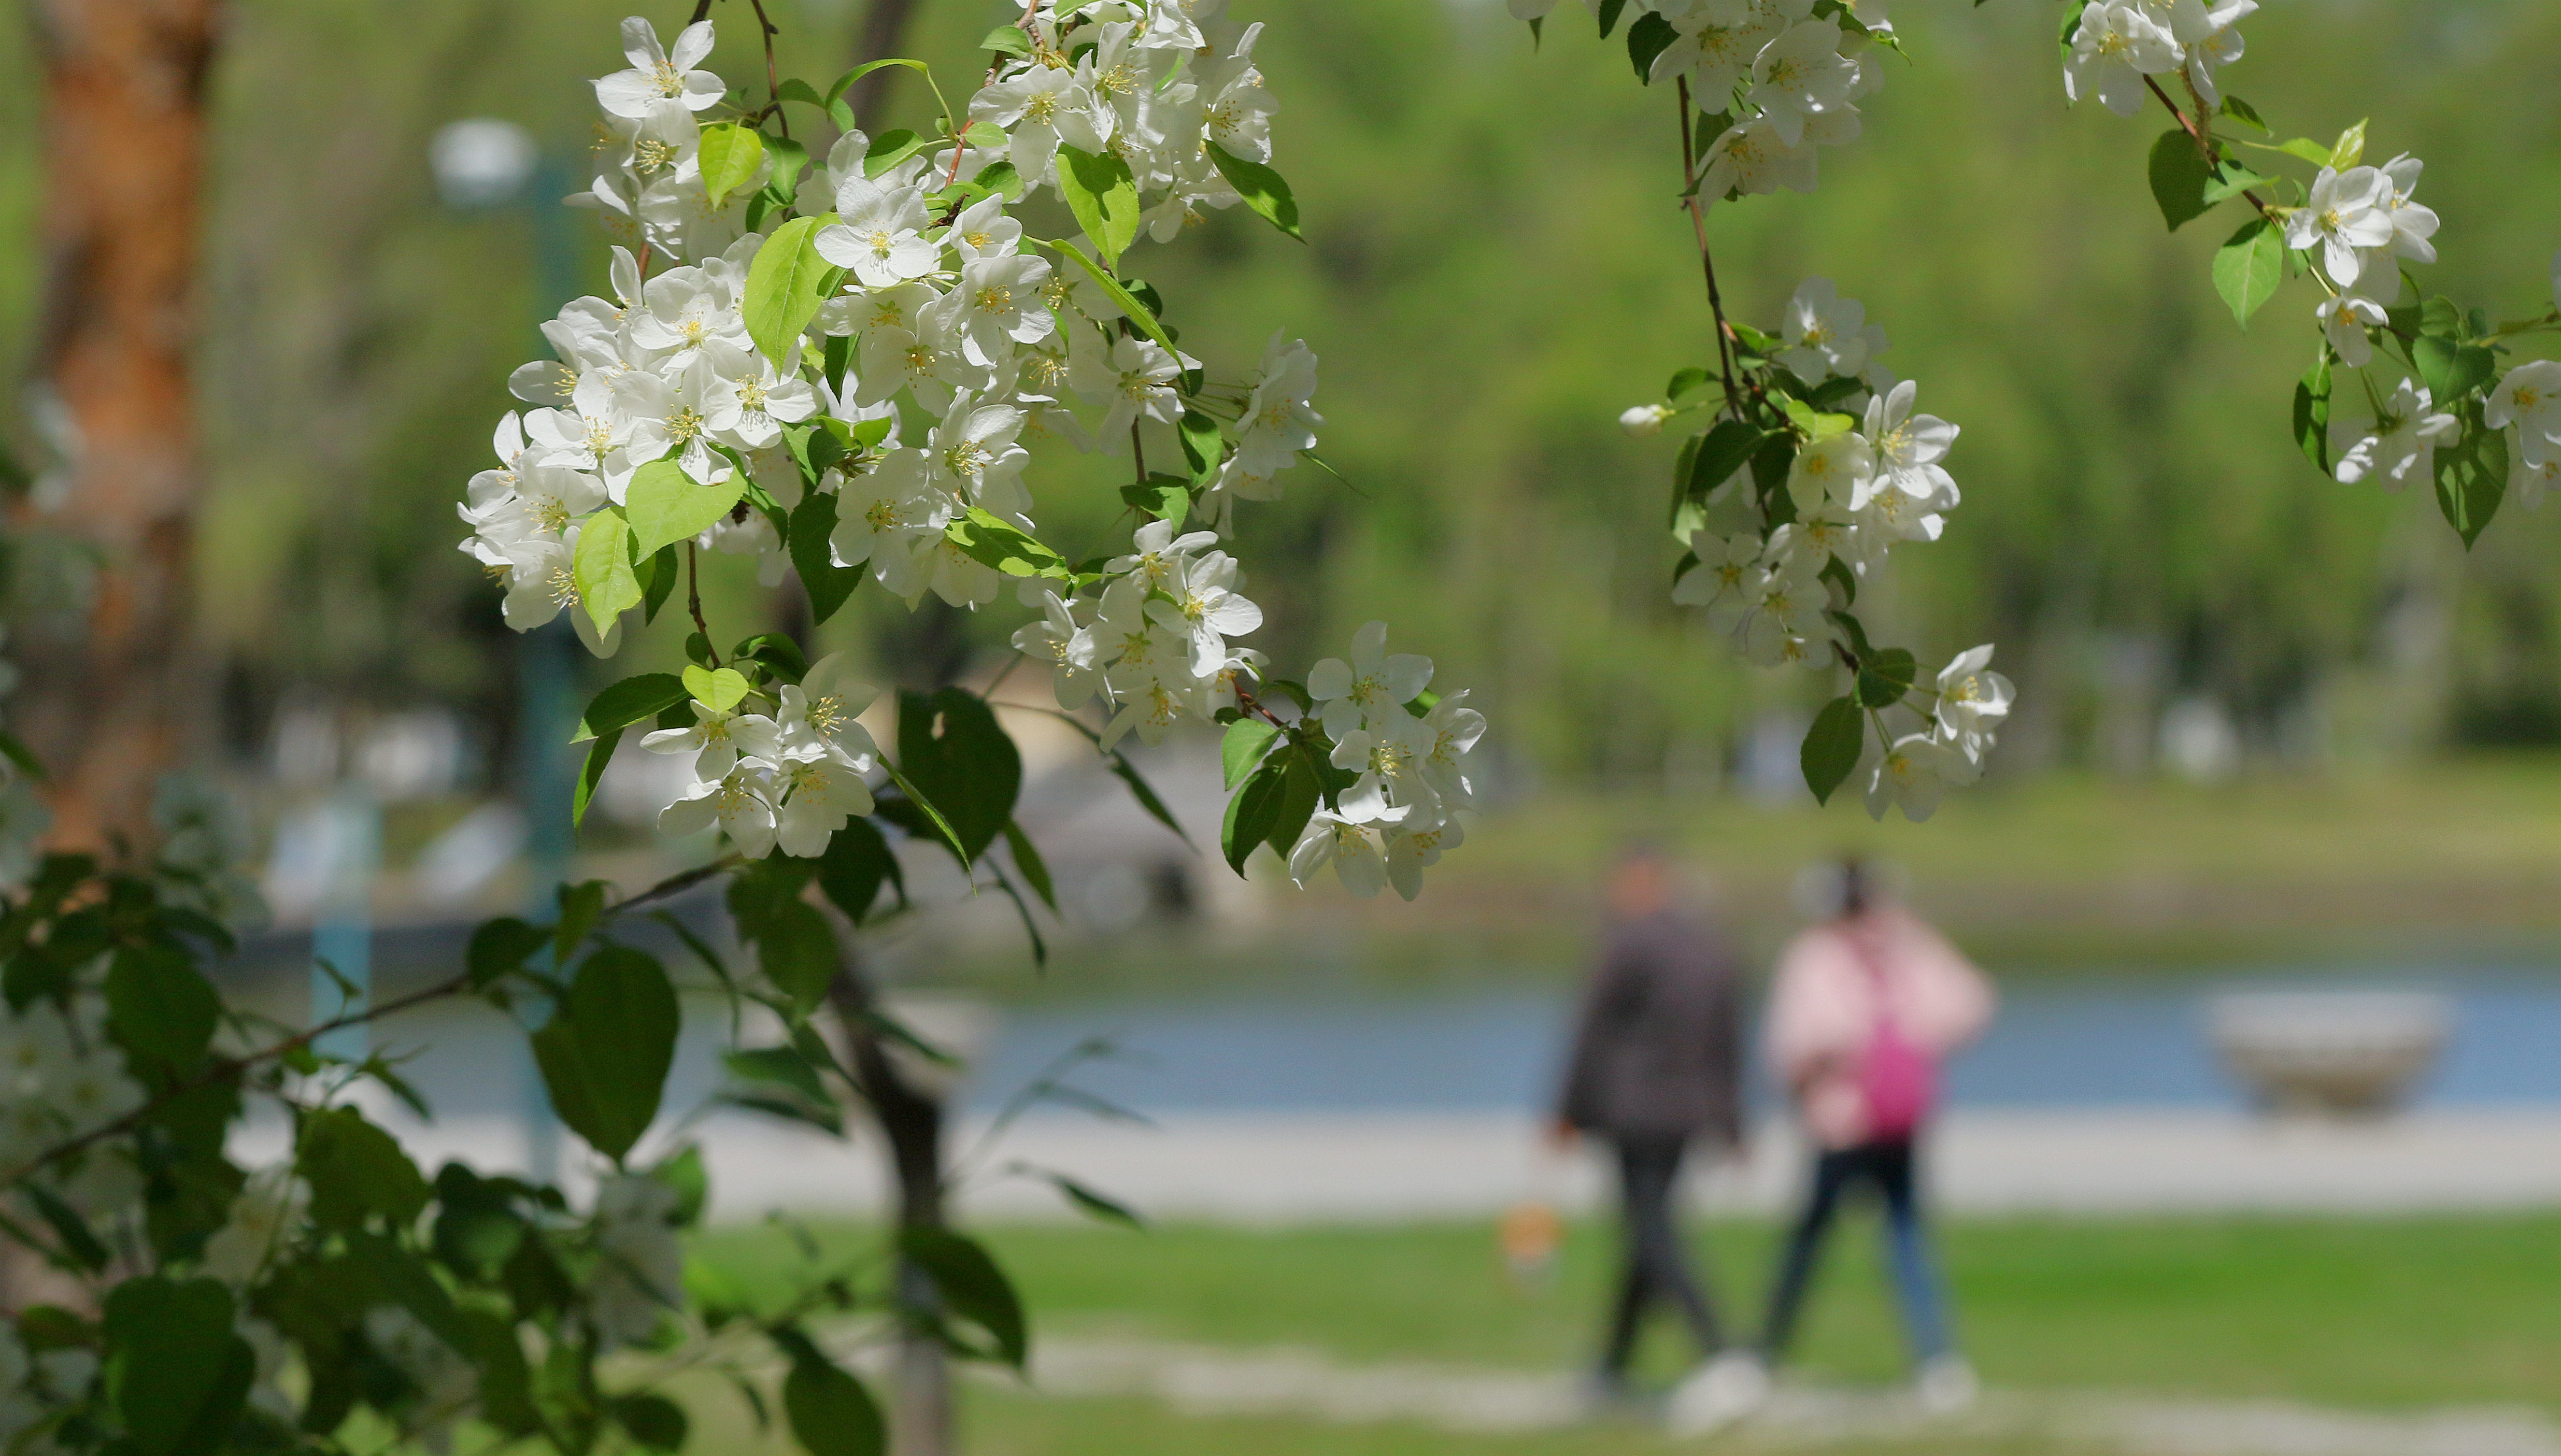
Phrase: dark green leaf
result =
(177, 1375)
(355, 1171)
(2472, 476)
(654, 1421)
(1252, 812)
(954, 752)
(1127, 773)
(1090, 1202)
(18, 753)
(973, 1287)
(582, 905)
(1299, 797)
(2312, 413)
(1263, 189)
(1832, 746)
(1035, 870)
(1104, 197)
(81, 1244)
(1884, 677)
(797, 954)
(830, 1413)
(1246, 740)
(628, 702)
(1648, 35)
(1609, 16)
(2179, 174)
(1722, 453)
(159, 1006)
(606, 1053)
(599, 757)
(1683, 380)
(2249, 266)
(2449, 370)
(828, 585)
(857, 861)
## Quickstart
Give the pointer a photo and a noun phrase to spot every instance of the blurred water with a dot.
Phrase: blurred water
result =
(2084, 1041)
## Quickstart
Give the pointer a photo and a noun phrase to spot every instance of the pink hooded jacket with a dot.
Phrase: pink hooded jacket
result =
(1823, 1007)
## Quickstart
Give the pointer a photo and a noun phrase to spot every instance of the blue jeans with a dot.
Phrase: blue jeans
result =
(1888, 1166)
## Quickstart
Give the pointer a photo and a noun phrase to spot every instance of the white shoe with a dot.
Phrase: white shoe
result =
(1721, 1392)
(1946, 1384)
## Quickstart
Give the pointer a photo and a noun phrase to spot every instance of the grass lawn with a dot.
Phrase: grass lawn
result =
(2381, 1314)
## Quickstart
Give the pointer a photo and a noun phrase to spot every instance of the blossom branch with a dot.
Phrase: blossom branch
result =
(1706, 260)
(2204, 142)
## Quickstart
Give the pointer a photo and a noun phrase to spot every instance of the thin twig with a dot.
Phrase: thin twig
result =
(2204, 143)
(772, 85)
(694, 602)
(1706, 260)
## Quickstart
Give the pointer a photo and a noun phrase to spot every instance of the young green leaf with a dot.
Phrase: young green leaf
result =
(1121, 298)
(601, 569)
(720, 690)
(1263, 189)
(891, 148)
(986, 538)
(729, 156)
(665, 506)
(1832, 746)
(1248, 740)
(2249, 266)
(1007, 40)
(786, 284)
(2350, 148)
(1104, 197)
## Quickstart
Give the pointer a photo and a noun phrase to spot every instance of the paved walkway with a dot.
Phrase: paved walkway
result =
(1204, 1380)
(1386, 1166)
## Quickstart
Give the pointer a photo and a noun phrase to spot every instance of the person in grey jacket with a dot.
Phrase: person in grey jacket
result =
(1657, 1063)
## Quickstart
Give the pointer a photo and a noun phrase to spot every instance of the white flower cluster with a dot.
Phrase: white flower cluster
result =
(1787, 77)
(1401, 812)
(2527, 404)
(59, 1077)
(789, 777)
(1154, 646)
(1857, 492)
(2119, 45)
(948, 350)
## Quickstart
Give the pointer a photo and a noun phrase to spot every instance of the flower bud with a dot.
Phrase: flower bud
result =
(1644, 420)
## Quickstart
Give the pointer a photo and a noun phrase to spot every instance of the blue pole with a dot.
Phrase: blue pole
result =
(342, 934)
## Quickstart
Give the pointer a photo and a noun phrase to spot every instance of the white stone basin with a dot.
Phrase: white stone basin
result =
(2355, 1053)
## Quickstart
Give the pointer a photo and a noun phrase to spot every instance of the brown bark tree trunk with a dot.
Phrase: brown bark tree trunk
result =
(111, 701)
(910, 1118)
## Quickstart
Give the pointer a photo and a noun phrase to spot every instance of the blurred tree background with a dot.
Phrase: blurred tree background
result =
(1496, 267)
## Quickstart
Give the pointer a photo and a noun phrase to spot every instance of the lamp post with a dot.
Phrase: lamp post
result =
(486, 165)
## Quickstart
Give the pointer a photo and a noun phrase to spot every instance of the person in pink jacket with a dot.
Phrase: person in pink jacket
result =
(1866, 1008)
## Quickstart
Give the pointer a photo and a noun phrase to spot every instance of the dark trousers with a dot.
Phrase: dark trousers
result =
(1656, 1270)
(1888, 1167)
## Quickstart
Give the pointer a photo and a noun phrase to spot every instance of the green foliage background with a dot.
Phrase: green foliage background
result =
(1494, 268)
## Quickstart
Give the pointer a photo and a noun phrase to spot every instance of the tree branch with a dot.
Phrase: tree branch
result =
(2204, 143)
(1706, 260)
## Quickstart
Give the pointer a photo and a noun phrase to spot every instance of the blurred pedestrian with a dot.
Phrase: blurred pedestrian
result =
(1656, 1063)
(1866, 1008)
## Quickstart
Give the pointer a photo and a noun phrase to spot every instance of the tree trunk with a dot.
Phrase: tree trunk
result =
(910, 1118)
(112, 698)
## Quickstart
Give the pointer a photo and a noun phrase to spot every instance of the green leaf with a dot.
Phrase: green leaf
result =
(1648, 36)
(786, 284)
(1104, 197)
(606, 1051)
(176, 1372)
(1248, 740)
(1683, 380)
(628, 702)
(1721, 453)
(657, 582)
(500, 947)
(653, 1421)
(1127, 773)
(1253, 812)
(2306, 149)
(858, 861)
(2179, 174)
(785, 1070)
(2243, 113)
(954, 752)
(355, 1171)
(1121, 298)
(1090, 1202)
(1884, 677)
(2472, 476)
(797, 954)
(1263, 190)
(1832, 746)
(730, 155)
(601, 568)
(1203, 445)
(1609, 16)
(2249, 266)
(590, 774)
(2451, 369)
(1007, 40)
(830, 1413)
(986, 136)
(720, 691)
(19, 753)
(159, 1006)
(986, 538)
(843, 114)
(2071, 27)
(665, 506)
(2230, 179)
(582, 908)
(828, 585)
(973, 1287)
(891, 148)
(81, 1247)
(1815, 425)
(1027, 857)
(2312, 413)
(2350, 147)
(1165, 497)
